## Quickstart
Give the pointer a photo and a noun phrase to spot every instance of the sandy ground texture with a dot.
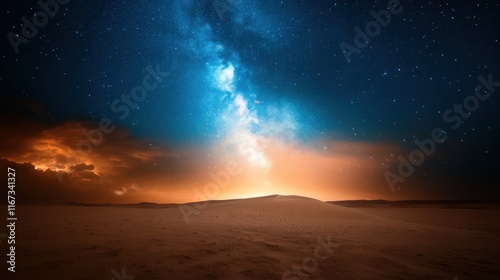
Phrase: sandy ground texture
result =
(275, 237)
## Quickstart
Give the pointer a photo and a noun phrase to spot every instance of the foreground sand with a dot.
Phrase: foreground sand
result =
(257, 238)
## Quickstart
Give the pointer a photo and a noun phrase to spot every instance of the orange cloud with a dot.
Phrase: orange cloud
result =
(122, 168)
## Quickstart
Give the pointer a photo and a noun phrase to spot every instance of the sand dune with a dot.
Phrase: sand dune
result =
(259, 238)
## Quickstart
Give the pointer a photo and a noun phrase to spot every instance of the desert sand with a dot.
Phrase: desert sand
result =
(258, 238)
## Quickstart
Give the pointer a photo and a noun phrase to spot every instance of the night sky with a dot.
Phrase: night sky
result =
(181, 89)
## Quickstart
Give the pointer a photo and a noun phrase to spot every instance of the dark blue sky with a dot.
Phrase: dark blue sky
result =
(284, 63)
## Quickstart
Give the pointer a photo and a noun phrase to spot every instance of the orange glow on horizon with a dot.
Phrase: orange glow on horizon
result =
(124, 170)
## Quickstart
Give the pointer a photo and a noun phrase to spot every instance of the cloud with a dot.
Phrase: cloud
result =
(36, 186)
(123, 168)
(82, 167)
(46, 152)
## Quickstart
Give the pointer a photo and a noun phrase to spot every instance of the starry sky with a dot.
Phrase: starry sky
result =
(129, 101)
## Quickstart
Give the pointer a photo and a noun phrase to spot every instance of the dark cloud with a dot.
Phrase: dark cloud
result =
(52, 166)
(36, 186)
(82, 167)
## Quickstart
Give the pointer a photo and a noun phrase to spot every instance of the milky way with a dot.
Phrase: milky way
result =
(264, 83)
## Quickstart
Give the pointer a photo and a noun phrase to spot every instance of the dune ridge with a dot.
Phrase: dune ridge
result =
(256, 238)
